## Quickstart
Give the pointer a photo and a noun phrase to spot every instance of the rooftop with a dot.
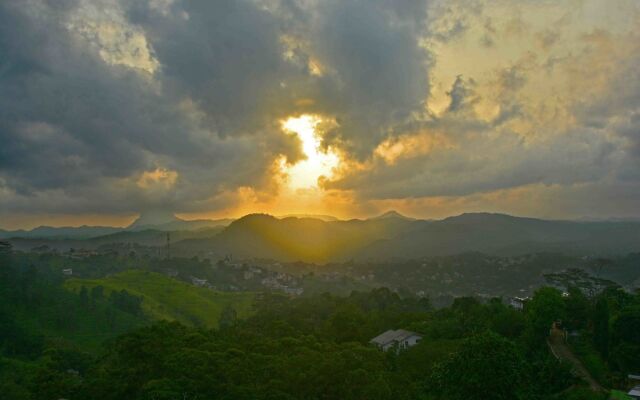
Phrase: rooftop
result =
(391, 336)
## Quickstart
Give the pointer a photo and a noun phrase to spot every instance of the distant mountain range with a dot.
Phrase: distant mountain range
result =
(291, 239)
(146, 237)
(154, 221)
(68, 232)
(388, 236)
(166, 221)
(391, 215)
(314, 216)
(501, 234)
(394, 236)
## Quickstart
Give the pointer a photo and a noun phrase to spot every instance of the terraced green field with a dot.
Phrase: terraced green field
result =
(170, 299)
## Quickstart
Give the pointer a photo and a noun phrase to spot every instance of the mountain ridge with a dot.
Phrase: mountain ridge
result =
(393, 236)
(393, 214)
(313, 240)
(90, 232)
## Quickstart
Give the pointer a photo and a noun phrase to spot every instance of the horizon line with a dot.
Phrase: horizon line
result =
(337, 219)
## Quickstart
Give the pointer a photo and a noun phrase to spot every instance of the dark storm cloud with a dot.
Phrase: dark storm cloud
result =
(380, 68)
(226, 56)
(78, 120)
(70, 121)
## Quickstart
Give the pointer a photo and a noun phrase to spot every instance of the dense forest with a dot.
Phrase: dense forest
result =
(99, 343)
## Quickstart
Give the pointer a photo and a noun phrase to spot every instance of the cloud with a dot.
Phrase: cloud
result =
(84, 112)
(450, 20)
(523, 126)
(460, 94)
(485, 164)
(114, 106)
(94, 94)
(378, 69)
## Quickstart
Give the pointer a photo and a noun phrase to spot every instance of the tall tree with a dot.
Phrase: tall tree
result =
(577, 307)
(601, 326)
(545, 307)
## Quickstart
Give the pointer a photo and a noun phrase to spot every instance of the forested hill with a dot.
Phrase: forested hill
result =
(390, 236)
(100, 339)
(501, 234)
(397, 237)
(292, 239)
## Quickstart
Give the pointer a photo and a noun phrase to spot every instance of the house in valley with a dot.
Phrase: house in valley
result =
(198, 282)
(399, 339)
(634, 393)
(518, 302)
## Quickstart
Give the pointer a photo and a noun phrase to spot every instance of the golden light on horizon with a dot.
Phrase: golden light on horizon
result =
(304, 174)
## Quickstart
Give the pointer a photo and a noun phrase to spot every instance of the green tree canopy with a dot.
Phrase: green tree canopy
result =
(545, 307)
(487, 366)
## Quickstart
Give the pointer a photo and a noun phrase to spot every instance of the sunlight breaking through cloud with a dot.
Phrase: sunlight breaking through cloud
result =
(305, 173)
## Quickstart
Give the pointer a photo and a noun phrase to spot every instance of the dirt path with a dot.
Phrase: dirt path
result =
(562, 352)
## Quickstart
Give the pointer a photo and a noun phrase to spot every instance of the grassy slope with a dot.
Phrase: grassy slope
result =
(166, 298)
(618, 395)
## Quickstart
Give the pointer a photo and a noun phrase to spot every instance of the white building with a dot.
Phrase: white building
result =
(198, 282)
(67, 271)
(635, 392)
(399, 339)
(295, 291)
(518, 302)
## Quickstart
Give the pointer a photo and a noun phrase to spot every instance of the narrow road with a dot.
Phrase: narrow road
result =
(561, 351)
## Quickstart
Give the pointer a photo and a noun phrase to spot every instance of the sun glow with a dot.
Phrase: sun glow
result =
(305, 174)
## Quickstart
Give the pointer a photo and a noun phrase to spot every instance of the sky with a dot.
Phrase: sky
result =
(212, 109)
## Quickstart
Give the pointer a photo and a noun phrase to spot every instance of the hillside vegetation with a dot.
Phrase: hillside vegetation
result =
(318, 348)
(390, 236)
(146, 237)
(308, 347)
(297, 239)
(393, 236)
(166, 298)
(36, 310)
(499, 234)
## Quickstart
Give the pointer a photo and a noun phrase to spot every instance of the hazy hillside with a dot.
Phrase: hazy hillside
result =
(166, 298)
(504, 234)
(395, 236)
(147, 237)
(291, 239)
(388, 236)
(165, 223)
(314, 216)
(391, 215)
(154, 237)
(79, 232)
